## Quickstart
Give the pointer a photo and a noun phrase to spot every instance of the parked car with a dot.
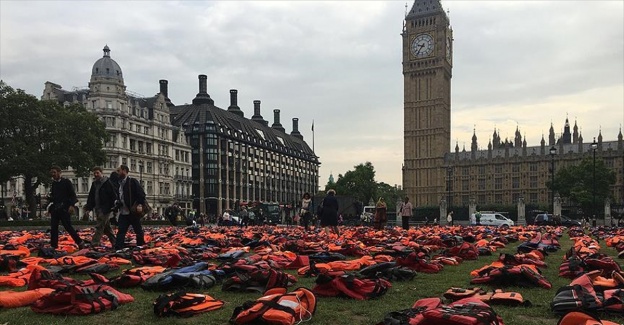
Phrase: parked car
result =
(546, 219)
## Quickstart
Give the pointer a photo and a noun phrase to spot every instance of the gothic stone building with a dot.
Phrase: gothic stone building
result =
(427, 65)
(509, 170)
(238, 160)
(502, 173)
(141, 135)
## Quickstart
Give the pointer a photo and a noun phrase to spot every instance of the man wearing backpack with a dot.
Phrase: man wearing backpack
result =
(101, 201)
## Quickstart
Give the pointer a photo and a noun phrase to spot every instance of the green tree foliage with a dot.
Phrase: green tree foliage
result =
(576, 183)
(360, 183)
(35, 135)
(391, 194)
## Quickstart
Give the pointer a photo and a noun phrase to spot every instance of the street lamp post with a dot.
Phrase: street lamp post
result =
(594, 146)
(553, 153)
(449, 171)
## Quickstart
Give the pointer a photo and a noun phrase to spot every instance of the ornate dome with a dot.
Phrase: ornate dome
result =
(107, 67)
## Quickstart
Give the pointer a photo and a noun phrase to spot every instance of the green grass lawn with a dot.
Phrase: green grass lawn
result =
(337, 311)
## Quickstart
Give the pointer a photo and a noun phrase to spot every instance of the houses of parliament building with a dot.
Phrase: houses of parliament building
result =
(504, 172)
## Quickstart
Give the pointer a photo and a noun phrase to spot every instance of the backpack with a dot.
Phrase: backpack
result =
(81, 300)
(185, 304)
(277, 307)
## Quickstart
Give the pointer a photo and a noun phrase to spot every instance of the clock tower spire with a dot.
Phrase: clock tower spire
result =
(427, 64)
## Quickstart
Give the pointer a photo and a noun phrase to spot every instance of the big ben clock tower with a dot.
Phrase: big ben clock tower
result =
(427, 65)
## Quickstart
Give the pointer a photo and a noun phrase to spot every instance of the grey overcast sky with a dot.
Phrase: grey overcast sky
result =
(516, 64)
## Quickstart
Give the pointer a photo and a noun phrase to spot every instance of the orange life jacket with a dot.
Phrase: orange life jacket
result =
(582, 318)
(277, 307)
(185, 304)
(14, 299)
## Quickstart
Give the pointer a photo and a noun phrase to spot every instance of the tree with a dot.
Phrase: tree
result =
(576, 182)
(359, 183)
(37, 134)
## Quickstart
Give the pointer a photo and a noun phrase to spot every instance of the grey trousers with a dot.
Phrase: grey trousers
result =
(103, 227)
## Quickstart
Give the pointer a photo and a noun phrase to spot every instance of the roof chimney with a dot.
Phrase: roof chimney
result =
(295, 132)
(202, 97)
(234, 103)
(164, 89)
(257, 117)
(276, 121)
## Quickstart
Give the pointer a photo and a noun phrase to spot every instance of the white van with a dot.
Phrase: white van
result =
(493, 219)
(368, 214)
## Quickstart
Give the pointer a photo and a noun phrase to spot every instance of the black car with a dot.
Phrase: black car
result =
(547, 220)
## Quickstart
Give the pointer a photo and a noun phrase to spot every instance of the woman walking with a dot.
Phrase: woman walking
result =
(329, 213)
(304, 214)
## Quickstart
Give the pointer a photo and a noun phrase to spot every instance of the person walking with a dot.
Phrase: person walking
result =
(329, 213)
(131, 195)
(449, 218)
(62, 198)
(381, 216)
(101, 201)
(406, 211)
(305, 214)
(244, 217)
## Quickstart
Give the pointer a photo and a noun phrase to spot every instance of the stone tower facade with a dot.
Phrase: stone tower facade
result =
(427, 64)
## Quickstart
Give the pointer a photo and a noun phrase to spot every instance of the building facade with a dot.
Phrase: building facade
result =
(141, 135)
(427, 66)
(236, 160)
(509, 170)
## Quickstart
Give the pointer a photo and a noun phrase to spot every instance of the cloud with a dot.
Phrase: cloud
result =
(516, 64)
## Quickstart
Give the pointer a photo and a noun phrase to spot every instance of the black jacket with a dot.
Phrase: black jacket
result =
(133, 193)
(108, 195)
(330, 206)
(62, 195)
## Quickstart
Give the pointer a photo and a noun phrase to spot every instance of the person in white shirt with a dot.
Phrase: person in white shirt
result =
(406, 212)
(226, 218)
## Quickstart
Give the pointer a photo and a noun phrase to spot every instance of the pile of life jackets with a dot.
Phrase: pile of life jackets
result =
(509, 270)
(360, 264)
(591, 292)
(432, 311)
(585, 257)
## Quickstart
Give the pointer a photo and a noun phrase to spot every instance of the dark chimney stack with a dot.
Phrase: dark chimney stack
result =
(202, 97)
(295, 132)
(234, 103)
(257, 117)
(276, 121)
(164, 89)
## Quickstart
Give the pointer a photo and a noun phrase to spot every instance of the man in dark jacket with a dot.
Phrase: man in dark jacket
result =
(101, 201)
(130, 193)
(62, 199)
(329, 213)
(171, 213)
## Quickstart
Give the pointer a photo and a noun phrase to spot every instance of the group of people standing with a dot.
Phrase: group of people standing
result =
(108, 196)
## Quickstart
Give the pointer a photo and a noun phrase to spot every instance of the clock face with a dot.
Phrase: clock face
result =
(422, 46)
(448, 49)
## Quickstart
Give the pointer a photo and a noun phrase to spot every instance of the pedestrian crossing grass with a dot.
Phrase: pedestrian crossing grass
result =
(337, 311)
